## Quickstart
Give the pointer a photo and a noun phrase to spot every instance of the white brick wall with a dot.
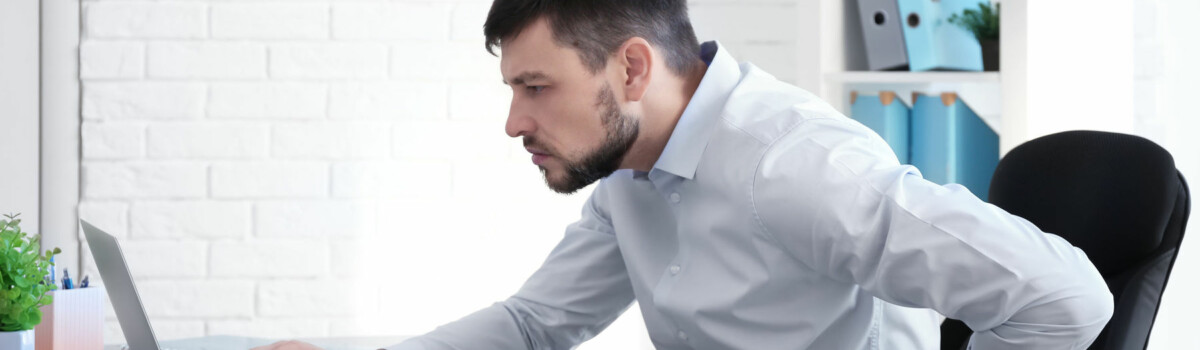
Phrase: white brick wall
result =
(317, 298)
(112, 60)
(206, 140)
(187, 258)
(332, 140)
(329, 60)
(315, 168)
(398, 100)
(259, 100)
(113, 140)
(270, 180)
(144, 180)
(197, 298)
(111, 215)
(401, 179)
(266, 258)
(142, 20)
(270, 21)
(136, 99)
(312, 219)
(203, 220)
(205, 60)
(385, 20)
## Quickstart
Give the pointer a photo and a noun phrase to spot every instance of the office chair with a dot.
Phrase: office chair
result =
(1117, 197)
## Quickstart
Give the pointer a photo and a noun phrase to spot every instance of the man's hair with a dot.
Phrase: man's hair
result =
(597, 28)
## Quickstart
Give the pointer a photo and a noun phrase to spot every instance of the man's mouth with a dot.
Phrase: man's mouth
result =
(539, 156)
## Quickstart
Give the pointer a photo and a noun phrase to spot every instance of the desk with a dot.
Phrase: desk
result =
(226, 342)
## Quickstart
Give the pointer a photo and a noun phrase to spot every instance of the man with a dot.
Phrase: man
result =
(744, 213)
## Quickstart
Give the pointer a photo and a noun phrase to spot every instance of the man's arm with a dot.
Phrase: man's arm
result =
(833, 194)
(580, 289)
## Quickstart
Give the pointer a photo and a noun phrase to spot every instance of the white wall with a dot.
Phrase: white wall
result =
(328, 168)
(1168, 49)
(19, 111)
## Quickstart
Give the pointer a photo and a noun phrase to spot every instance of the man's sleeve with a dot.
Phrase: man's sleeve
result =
(579, 290)
(832, 193)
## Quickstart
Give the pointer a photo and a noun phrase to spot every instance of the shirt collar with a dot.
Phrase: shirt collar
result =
(682, 154)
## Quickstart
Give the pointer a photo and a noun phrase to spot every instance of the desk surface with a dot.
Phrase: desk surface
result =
(225, 342)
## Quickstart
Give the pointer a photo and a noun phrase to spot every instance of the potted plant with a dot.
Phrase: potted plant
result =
(23, 287)
(985, 24)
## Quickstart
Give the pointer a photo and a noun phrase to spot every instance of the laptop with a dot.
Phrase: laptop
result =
(119, 285)
(132, 316)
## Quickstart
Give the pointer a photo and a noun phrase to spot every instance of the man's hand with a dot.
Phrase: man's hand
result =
(288, 345)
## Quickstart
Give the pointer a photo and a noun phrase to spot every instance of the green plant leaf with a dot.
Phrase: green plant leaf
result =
(23, 267)
(983, 22)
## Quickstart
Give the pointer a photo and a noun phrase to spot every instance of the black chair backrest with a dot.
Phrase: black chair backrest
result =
(1117, 197)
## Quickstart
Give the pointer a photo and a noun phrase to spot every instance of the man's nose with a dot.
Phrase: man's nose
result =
(519, 123)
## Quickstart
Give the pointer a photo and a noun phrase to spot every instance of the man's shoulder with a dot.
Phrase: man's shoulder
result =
(766, 109)
(798, 130)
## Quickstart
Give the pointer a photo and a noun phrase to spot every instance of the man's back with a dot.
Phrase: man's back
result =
(700, 263)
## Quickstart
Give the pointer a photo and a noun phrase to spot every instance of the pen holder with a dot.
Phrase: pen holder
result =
(74, 320)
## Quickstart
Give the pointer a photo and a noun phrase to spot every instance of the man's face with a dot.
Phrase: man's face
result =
(569, 118)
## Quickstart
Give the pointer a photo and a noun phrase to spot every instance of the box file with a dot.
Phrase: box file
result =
(887, 116)
(882, 34)
(932, 42)
(951, 144)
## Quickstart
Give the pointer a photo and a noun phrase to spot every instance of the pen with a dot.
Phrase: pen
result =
(83, 283)
(52, 277)
(67, 284)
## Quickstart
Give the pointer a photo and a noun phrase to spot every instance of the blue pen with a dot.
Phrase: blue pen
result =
(67, 284)
(52, 277)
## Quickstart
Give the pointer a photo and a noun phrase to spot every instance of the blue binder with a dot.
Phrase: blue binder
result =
(887, 116)
(951, 144)
(932, 42)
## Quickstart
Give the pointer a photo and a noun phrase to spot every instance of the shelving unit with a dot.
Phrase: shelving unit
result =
(1050, 78)
(896, 77)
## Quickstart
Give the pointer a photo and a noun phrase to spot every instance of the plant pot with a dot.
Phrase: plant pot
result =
(991, 54)
(22, 340)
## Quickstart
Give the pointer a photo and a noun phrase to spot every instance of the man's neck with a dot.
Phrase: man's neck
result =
(660, 119)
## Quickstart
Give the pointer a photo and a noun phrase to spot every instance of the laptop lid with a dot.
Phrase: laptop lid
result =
(119, 285)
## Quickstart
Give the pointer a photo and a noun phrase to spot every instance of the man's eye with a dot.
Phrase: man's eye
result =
(536, 89)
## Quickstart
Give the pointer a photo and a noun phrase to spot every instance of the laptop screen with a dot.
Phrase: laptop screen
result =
(119, 285)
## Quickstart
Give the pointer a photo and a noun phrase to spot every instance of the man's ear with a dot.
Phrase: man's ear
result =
(636, 57)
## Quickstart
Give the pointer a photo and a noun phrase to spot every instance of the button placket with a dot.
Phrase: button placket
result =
(667, 187)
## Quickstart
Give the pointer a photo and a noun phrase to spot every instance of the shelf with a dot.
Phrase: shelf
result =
(914, 77)
(981, 91)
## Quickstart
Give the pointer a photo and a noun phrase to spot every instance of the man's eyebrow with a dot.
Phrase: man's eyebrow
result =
(520, 79)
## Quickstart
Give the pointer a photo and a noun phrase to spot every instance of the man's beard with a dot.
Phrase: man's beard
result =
(620, 133)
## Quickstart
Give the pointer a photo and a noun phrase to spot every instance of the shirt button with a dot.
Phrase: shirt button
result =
(674, 269)
(674, 198)
(682, 335)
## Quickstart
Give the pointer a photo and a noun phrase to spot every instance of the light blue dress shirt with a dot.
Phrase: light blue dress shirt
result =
(771, 221)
